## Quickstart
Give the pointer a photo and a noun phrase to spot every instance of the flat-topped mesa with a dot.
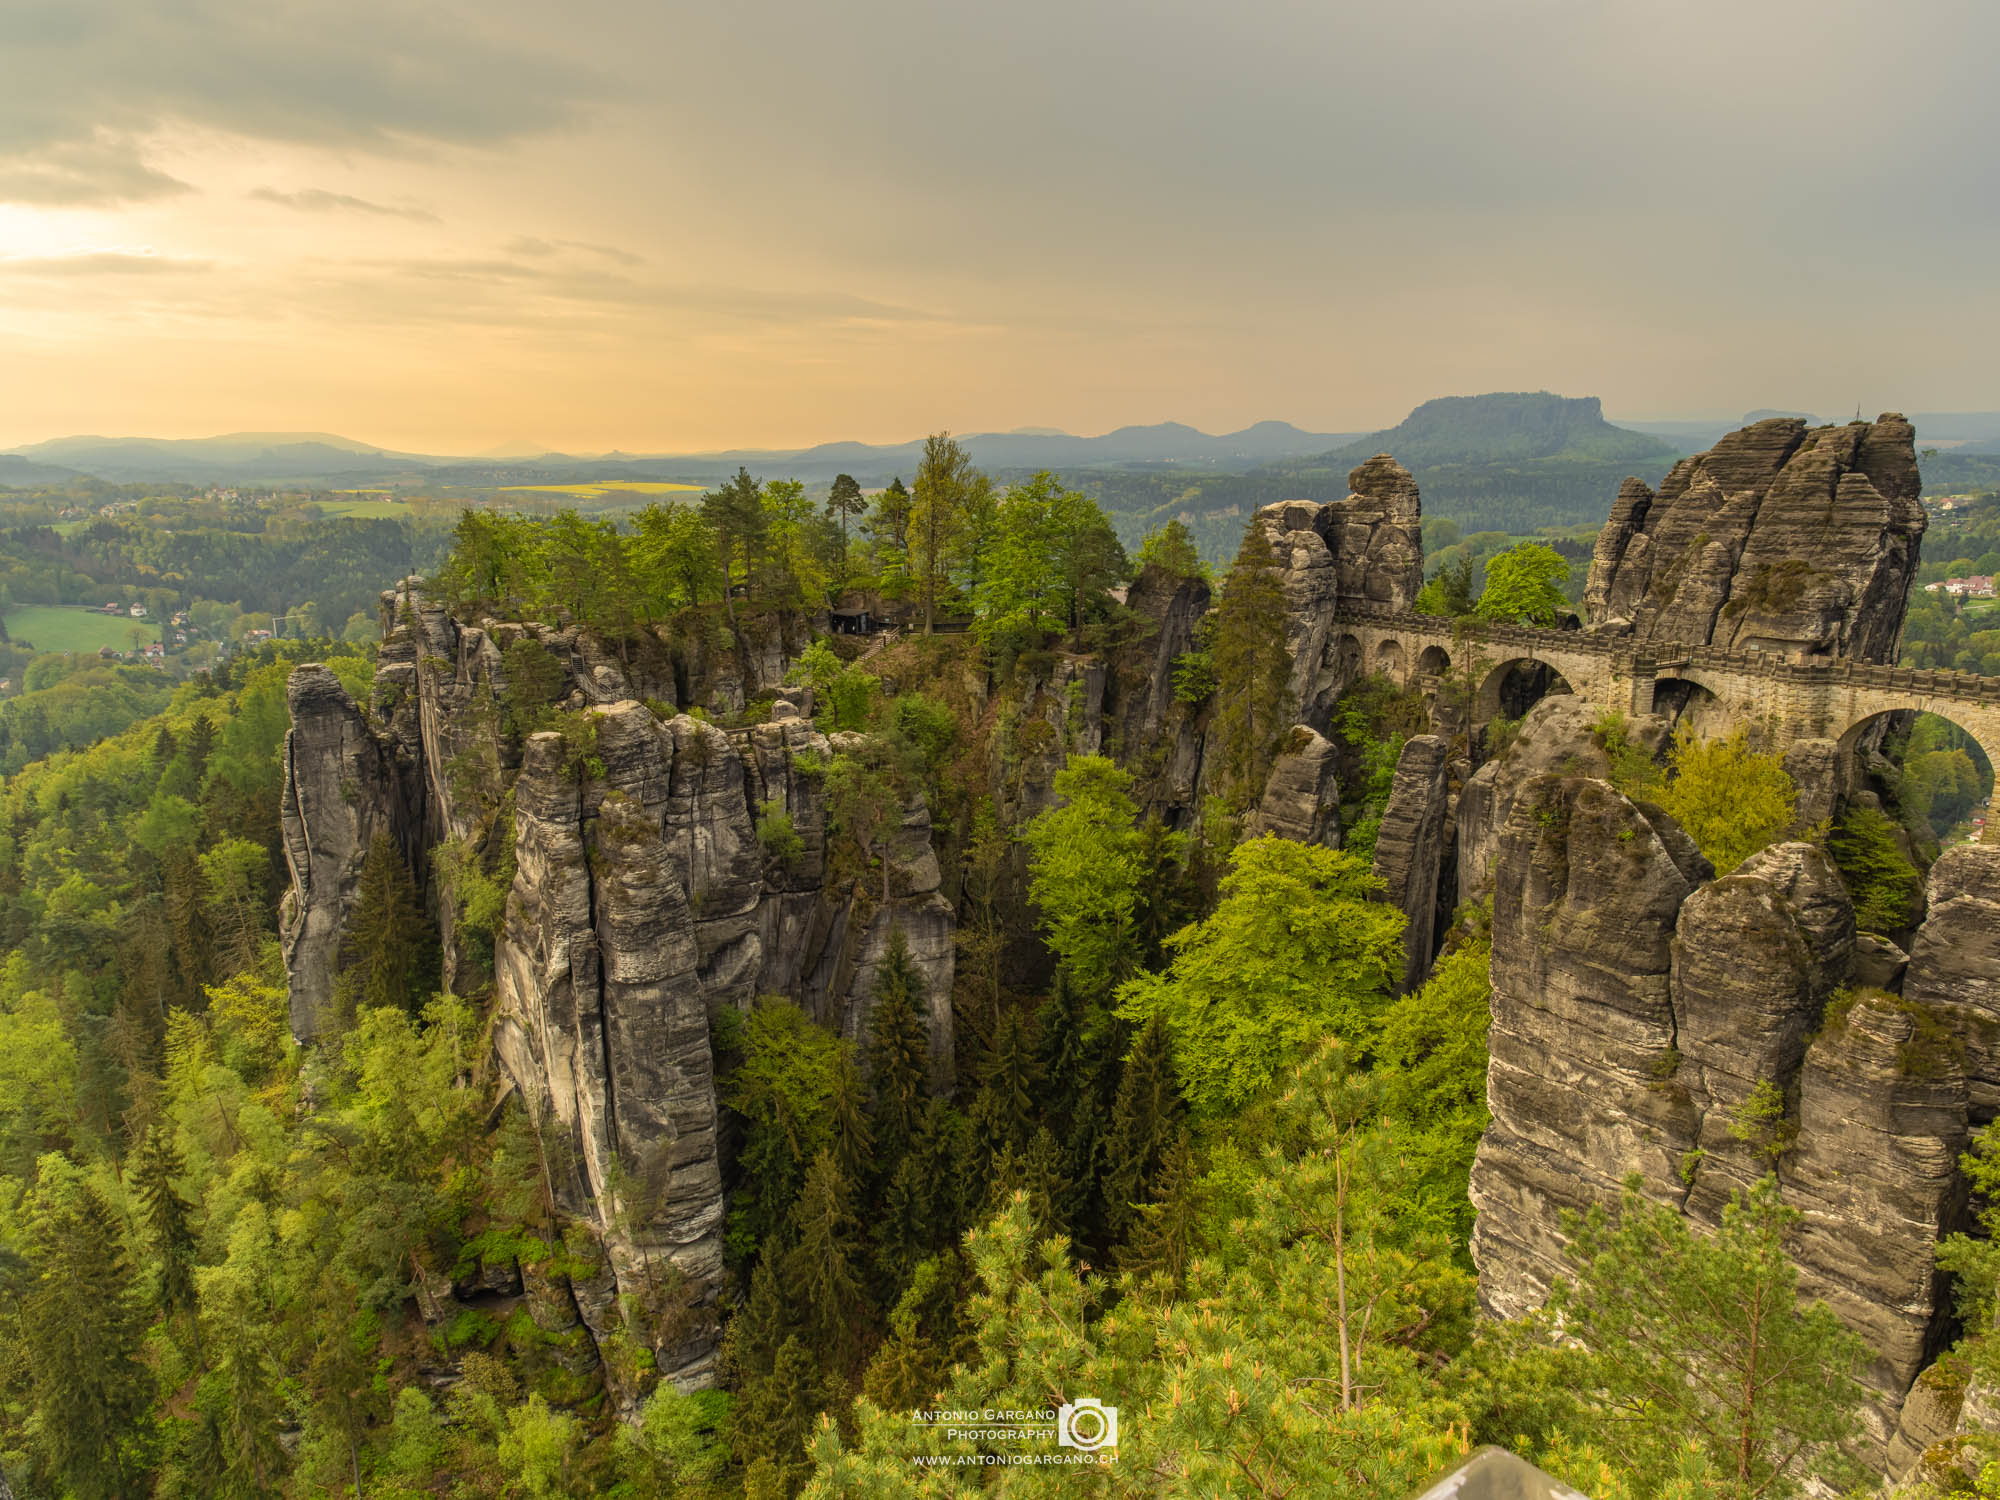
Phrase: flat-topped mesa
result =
(1780, 538)
(1365, 552)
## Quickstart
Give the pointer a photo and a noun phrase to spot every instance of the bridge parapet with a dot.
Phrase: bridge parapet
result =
(1493, 631)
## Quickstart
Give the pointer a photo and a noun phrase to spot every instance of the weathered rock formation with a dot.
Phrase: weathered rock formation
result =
(1780, 538)
(1301, 798)
(1704, 1033)
(1954, 964)
(1409, 847)
(1364, 552)
(1585, 893)
(645, 898)
(340, 793)
(1557, 735)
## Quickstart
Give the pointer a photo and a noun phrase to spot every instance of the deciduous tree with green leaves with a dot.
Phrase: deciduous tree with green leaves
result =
(1524, 586)
(1298, 949)
(1732, 800)
(1084, 872)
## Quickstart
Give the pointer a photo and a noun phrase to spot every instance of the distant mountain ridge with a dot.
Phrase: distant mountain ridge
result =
(319, 457)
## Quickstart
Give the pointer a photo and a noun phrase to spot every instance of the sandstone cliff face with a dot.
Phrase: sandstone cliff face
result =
(341, 789)
(1409, 847)
(1954, 964)
(1364, 552)
(1585, 892)
(1881, 1123)
(1780, 538)
(1556, 735)
(1301, 798)
(1703, 1033)
(643, 901)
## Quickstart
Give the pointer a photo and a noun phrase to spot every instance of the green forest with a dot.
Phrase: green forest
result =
(1199, 1158)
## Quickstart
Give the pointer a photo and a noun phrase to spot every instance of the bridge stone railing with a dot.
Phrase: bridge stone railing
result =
(1665, 656)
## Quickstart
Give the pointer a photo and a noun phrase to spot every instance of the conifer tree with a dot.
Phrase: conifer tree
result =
(1252, 667)
(821, 1279)
(750, 1348)
(845, 500)
(1144, 1119)
(84, 1330)
(200, 745)
(945, 1152)
(898, 1052)
(1047, 1188)
(914, 1362)
(1061, 1026)
(905, 1229)
(853, 1140)
(389, 944)
(1005, 1105)
(1162, 1237)
(773, 1421)
(166, 1215)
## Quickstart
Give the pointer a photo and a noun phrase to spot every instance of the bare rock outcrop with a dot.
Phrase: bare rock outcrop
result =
(1874, 1170)
(340, 791)
(1780, 538)
(1954, 964)
(1409, 847)
(602, 1023)
(1364, 552)
(1557, 735)
(663, 869)
(1586, 890)
(1301, 798)
(1757, 954)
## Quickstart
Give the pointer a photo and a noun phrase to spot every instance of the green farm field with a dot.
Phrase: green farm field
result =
(69, 628)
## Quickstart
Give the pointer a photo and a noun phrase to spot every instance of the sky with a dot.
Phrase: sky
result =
(654, 226)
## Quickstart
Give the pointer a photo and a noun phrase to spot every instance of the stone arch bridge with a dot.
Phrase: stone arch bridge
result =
(1787, 698)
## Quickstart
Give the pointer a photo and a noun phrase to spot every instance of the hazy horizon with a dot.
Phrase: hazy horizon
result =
(679, 229)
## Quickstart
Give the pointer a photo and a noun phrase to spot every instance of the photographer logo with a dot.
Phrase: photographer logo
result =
(1087, 1425)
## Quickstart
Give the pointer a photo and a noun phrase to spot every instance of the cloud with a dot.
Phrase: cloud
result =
(93, 84)
(99, 169)
(320, 201)
(102, 263)
(531, 245)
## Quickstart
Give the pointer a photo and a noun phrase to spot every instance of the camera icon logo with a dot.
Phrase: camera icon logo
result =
(1087, 1424)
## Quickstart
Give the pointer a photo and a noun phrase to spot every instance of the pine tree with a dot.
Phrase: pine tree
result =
(759, 1328)
(390, 947)
(164, 749)
(84, 1331)
(845, 500)
(1047, 1188)
(1144, 1118)
(1005, 1104)
(898, 1052)
(905, 1229)
(773, 1420)
(1062, 1025)
(1163, 1234)
(944, 1152)
(167, 1218)
(820, 1278)
(200, 745)
(1252, 667)
(853, 1140)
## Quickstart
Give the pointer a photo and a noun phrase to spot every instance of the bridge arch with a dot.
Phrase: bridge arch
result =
(1929, 753)
(1391, 661)
(1685, 698)
(1515, 685)
(1434, 661)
